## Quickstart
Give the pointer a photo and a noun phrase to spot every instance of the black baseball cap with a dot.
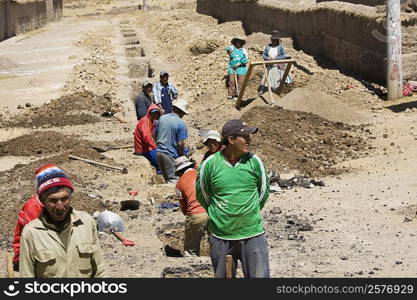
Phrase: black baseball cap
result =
(235, 127)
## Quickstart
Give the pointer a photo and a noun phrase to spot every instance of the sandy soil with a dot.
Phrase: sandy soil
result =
(360, 223)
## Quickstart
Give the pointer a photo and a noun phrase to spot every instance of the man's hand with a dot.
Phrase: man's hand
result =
(127, 242)
(236, 66)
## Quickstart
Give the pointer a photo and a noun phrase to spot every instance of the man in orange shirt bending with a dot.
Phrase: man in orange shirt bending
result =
(196, 220)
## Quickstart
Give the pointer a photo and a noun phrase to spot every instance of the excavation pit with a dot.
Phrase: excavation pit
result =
(138, 67)
(172, 237)
(133, 51)
(132, 41)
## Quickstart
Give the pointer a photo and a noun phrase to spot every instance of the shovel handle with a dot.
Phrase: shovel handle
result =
(96, 163)
(229, 266)
(119, 236)
(9, 261)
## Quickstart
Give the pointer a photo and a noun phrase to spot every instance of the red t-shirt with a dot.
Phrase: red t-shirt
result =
(186, 193)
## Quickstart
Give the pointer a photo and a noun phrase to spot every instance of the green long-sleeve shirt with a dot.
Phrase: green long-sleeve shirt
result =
(233, 196)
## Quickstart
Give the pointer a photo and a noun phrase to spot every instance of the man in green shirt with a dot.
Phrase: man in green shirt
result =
(232, 185)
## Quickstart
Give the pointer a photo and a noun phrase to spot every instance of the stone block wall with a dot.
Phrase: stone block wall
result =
(342, 33)
(3, 21)
(17, 18)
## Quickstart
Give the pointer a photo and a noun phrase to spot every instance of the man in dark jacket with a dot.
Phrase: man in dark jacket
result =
(144, 99)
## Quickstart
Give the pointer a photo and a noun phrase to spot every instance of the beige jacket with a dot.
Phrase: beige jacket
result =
(42, 253)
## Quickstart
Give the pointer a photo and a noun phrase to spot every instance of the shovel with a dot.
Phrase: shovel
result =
(108, 221)
(236, 85)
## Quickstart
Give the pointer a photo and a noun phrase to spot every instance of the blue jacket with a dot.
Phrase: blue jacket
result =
(157, 88)
(237, 57)
(281, 53)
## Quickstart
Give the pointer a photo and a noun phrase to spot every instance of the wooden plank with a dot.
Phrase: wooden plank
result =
(284, 77)
(271, 99)
(218, 105)
(124, 170)
(245, 82)
(289, 62)
(229, 266)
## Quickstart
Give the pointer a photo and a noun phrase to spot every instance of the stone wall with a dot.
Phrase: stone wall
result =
(25, 17)
(17, 18)
(3, 21)
(363, 2)
(343, 33)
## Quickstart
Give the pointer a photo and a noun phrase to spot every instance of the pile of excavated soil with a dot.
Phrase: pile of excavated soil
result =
(303, 141)
(74, 109)
(97, 73)
(22, 172)
(40, 143)
(321, 104)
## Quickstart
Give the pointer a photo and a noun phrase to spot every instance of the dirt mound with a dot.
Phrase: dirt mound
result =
(74, 109)
(96, 74)
(303, 141)
(52, 142)
(204, 46)
(321, 104)
(22, 172)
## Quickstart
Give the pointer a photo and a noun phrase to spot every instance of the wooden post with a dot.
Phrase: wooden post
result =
(252, 64)
(124, 170)
(394, 58)
(229, 266)
(9, 262)
(245, 82)
(271, 99)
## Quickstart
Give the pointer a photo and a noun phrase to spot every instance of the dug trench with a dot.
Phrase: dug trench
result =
(293, 141)
(172, 237)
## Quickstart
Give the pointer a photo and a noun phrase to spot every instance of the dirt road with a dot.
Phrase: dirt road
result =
(360, 224)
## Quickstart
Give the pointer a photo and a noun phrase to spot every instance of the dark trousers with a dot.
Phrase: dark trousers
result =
(252, 252)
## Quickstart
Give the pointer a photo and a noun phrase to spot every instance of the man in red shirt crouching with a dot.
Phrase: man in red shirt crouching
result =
(196, 220)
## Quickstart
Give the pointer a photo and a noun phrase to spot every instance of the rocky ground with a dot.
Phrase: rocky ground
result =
(340, 157)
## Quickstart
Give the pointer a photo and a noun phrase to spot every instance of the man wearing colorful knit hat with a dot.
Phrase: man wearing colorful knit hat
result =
(61, 242)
